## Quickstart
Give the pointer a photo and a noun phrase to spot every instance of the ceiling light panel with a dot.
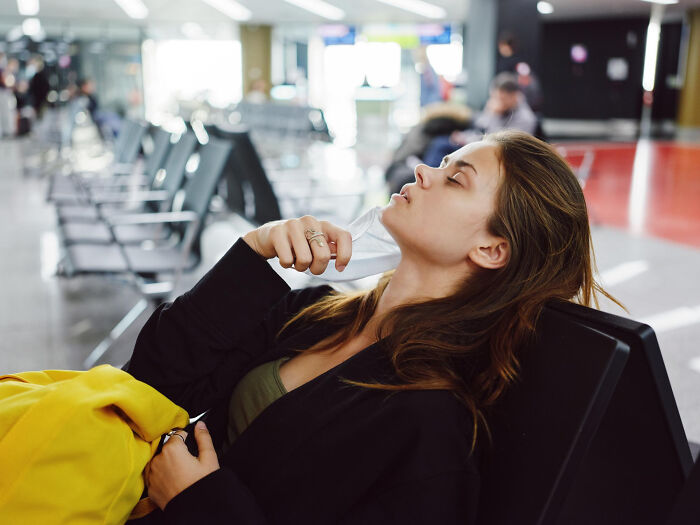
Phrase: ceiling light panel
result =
(28, 7)
(320, 8)
(231, 8)
(134, 8)
(418, 7)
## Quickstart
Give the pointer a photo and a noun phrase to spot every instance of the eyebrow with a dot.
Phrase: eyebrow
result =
(460, 163)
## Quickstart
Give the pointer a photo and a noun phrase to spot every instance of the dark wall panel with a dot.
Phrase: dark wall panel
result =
(583, 90)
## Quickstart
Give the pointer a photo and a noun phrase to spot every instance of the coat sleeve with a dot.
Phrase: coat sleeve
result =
(448, 498)
(217, 499)
(195, 349)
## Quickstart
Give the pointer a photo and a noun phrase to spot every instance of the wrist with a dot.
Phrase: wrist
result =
(250, 239)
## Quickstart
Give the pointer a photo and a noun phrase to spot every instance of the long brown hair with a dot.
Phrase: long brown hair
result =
(468, 342)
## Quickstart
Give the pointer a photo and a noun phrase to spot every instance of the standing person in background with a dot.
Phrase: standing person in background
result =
(39, 86)
(86, 88)
(430, 86)
(507, 58)
(8, 109)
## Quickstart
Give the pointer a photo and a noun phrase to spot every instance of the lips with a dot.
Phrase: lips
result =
(404, 194)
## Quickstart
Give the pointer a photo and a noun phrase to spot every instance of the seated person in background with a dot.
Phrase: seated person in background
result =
(438, 119)
(506, 108)
(366, 407)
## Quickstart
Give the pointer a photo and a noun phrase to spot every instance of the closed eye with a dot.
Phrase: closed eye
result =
(452, 179)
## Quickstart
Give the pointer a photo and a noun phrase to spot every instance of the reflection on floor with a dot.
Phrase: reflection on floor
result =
(646, 229)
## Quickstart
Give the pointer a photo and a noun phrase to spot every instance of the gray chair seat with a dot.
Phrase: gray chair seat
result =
(99, 233)
(75, 212)
(97, 258)
(89, 213)
(159, 260)
(113, 258)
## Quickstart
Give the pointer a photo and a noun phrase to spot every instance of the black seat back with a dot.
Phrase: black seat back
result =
(686, 510)
(155, 159)
(233, 190)
(127, 150)
(173, 172)
(247, 167)
(126, 130)
(201, 186)
(544, 424)
(639, 459)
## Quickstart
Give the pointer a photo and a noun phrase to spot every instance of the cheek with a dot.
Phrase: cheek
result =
(444, 236)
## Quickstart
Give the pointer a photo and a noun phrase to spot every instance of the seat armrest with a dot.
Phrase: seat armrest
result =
(153, 218)
(129, 196)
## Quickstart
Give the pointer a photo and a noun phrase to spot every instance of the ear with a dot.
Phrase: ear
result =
(491, 254)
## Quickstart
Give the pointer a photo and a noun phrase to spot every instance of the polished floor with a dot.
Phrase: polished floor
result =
(648, 188)
(645, 221)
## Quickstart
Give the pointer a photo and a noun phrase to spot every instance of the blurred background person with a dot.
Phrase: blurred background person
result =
(258, 92)
(39, 86)
(8, 108)
(506, 107)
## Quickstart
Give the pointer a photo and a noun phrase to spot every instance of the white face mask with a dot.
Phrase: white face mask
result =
(30, 71)
(374, 251)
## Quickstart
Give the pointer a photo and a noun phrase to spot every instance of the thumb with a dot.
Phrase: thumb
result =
(207, 454)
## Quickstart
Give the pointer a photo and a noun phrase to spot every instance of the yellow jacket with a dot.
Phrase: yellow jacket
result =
(73, 445)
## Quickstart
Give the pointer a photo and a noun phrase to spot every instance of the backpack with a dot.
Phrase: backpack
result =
(73, 445)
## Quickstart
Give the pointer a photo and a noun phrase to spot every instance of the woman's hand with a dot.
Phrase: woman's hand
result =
(286, 240)
(175, 469)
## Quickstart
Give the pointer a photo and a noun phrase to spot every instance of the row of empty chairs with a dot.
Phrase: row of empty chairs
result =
(144, 226)
(145, 233)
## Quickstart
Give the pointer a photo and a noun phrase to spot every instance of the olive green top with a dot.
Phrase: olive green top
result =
(253, 394)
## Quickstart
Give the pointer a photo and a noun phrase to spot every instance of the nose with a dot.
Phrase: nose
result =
(424, 175)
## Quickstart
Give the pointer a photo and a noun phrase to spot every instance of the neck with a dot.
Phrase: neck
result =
(413, 282)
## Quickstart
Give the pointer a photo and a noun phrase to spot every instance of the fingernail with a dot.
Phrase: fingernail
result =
(340, 268)
(200, 425)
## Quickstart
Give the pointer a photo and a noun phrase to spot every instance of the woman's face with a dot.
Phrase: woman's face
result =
(442, 217)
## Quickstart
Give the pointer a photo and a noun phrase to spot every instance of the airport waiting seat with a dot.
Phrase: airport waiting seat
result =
(96, 192)
(639, 459)
(546, 421)
(686, 509)
(248, 182)
(71, 186)
(282, 120)
(155, 270)
(162, 197)
(628, 459)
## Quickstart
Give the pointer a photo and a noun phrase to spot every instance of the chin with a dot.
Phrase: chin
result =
(388, 220)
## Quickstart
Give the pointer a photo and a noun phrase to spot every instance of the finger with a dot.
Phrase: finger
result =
(207, 453)
(280, 242)
(320, 249)
(302, 250)
(343, 244)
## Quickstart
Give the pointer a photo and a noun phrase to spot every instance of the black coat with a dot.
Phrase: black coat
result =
(326, 452)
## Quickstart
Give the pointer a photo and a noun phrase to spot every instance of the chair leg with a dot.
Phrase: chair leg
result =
(116, 332)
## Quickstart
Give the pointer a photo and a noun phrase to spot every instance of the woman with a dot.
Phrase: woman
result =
(368, 407)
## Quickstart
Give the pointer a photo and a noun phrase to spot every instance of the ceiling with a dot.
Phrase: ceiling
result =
(71, 12)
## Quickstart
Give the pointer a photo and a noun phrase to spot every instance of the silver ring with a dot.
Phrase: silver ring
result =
(172, 433)
(313, 235)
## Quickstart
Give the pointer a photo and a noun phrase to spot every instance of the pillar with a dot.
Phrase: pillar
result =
(256, 52)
